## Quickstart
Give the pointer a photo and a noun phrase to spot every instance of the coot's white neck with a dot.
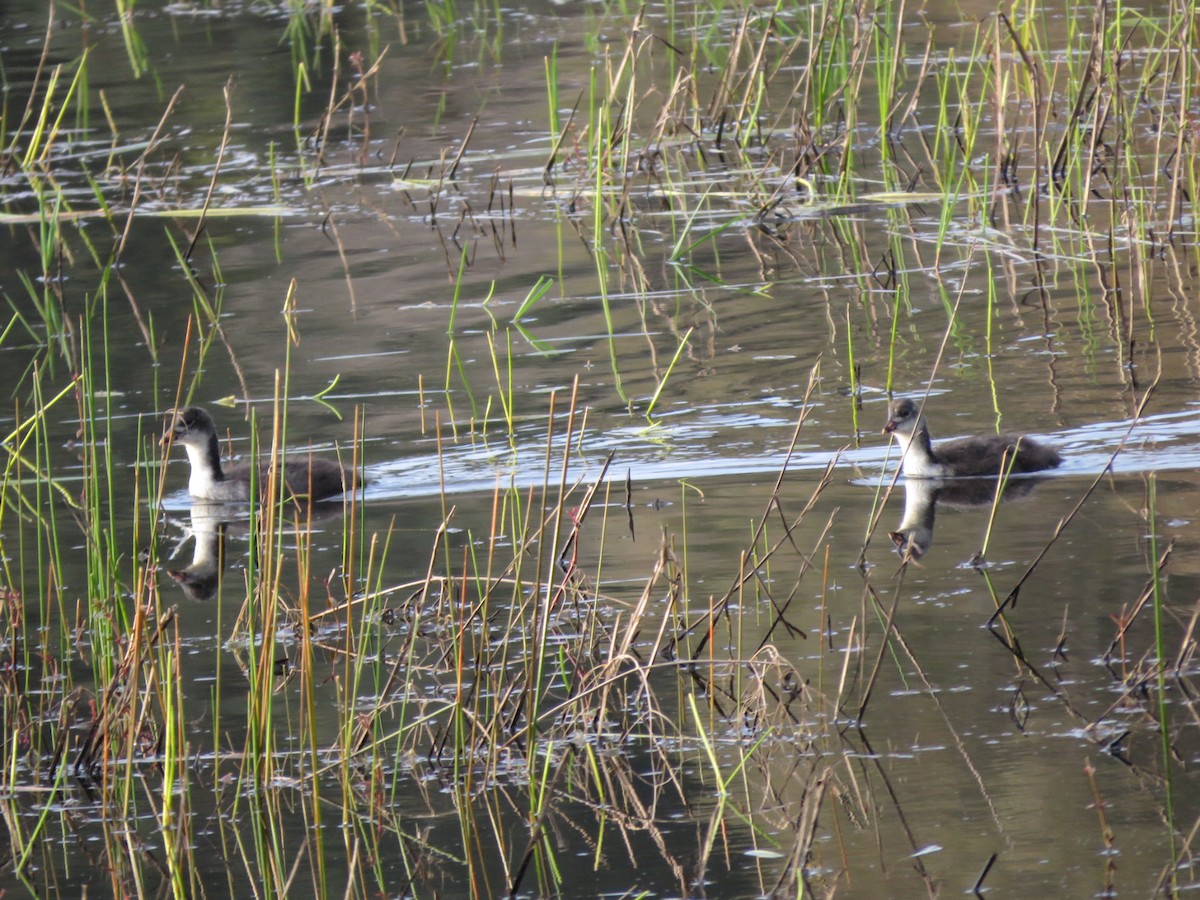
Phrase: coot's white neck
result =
(205, 475)
(919, 461)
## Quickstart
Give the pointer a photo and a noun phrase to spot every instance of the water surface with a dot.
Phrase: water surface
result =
(690, 374)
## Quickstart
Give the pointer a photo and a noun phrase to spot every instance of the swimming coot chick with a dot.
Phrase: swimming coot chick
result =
(988, 454)
(311, 478)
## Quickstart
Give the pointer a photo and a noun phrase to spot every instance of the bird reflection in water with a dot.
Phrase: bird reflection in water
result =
(210, 524)
(914, 535)
(202, 576)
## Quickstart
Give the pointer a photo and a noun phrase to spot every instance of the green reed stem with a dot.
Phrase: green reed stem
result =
(1161, 656)
(662, 383)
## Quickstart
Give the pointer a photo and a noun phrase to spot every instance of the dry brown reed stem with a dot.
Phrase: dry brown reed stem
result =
(622, 647)
(537, 826)
(1146, 595)
(552, 159)
(889, 627)
(428, 585)
(806, 562)
(135, 308)
(1106, 832)
(331, 105)
(35, 83)
(227, 92)
(1187, 651)
(114, 720)
(960, 746)
(403, 659)
(875, 759)
(1037, 82)
(894, 123)
(361, 79)
(718, 609)
(1011, 599)
(556, 554)
(1133, 687)
(804, 831)
(151, 146)
(202, 295)
(600, 683)
(1097, 110)
(342, 258)
(776, 686)
(540, 625)
(684, 79)
(818, 36)
(1084, 98)
(1184, 851)
(462, 149)
(540, 595)
(748, 76)
(625, 804)
(861, 48)
(1178, 156)
(724, 89)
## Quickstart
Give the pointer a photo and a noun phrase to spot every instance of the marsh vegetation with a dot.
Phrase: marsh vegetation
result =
(606, 303)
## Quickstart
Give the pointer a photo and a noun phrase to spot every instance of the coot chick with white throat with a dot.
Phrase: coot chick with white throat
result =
(310, 478)
(981, 455)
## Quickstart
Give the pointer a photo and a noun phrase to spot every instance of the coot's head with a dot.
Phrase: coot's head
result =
(188, 426)
(904, 418)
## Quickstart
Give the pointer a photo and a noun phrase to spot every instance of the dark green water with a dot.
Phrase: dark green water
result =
(962, 753)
